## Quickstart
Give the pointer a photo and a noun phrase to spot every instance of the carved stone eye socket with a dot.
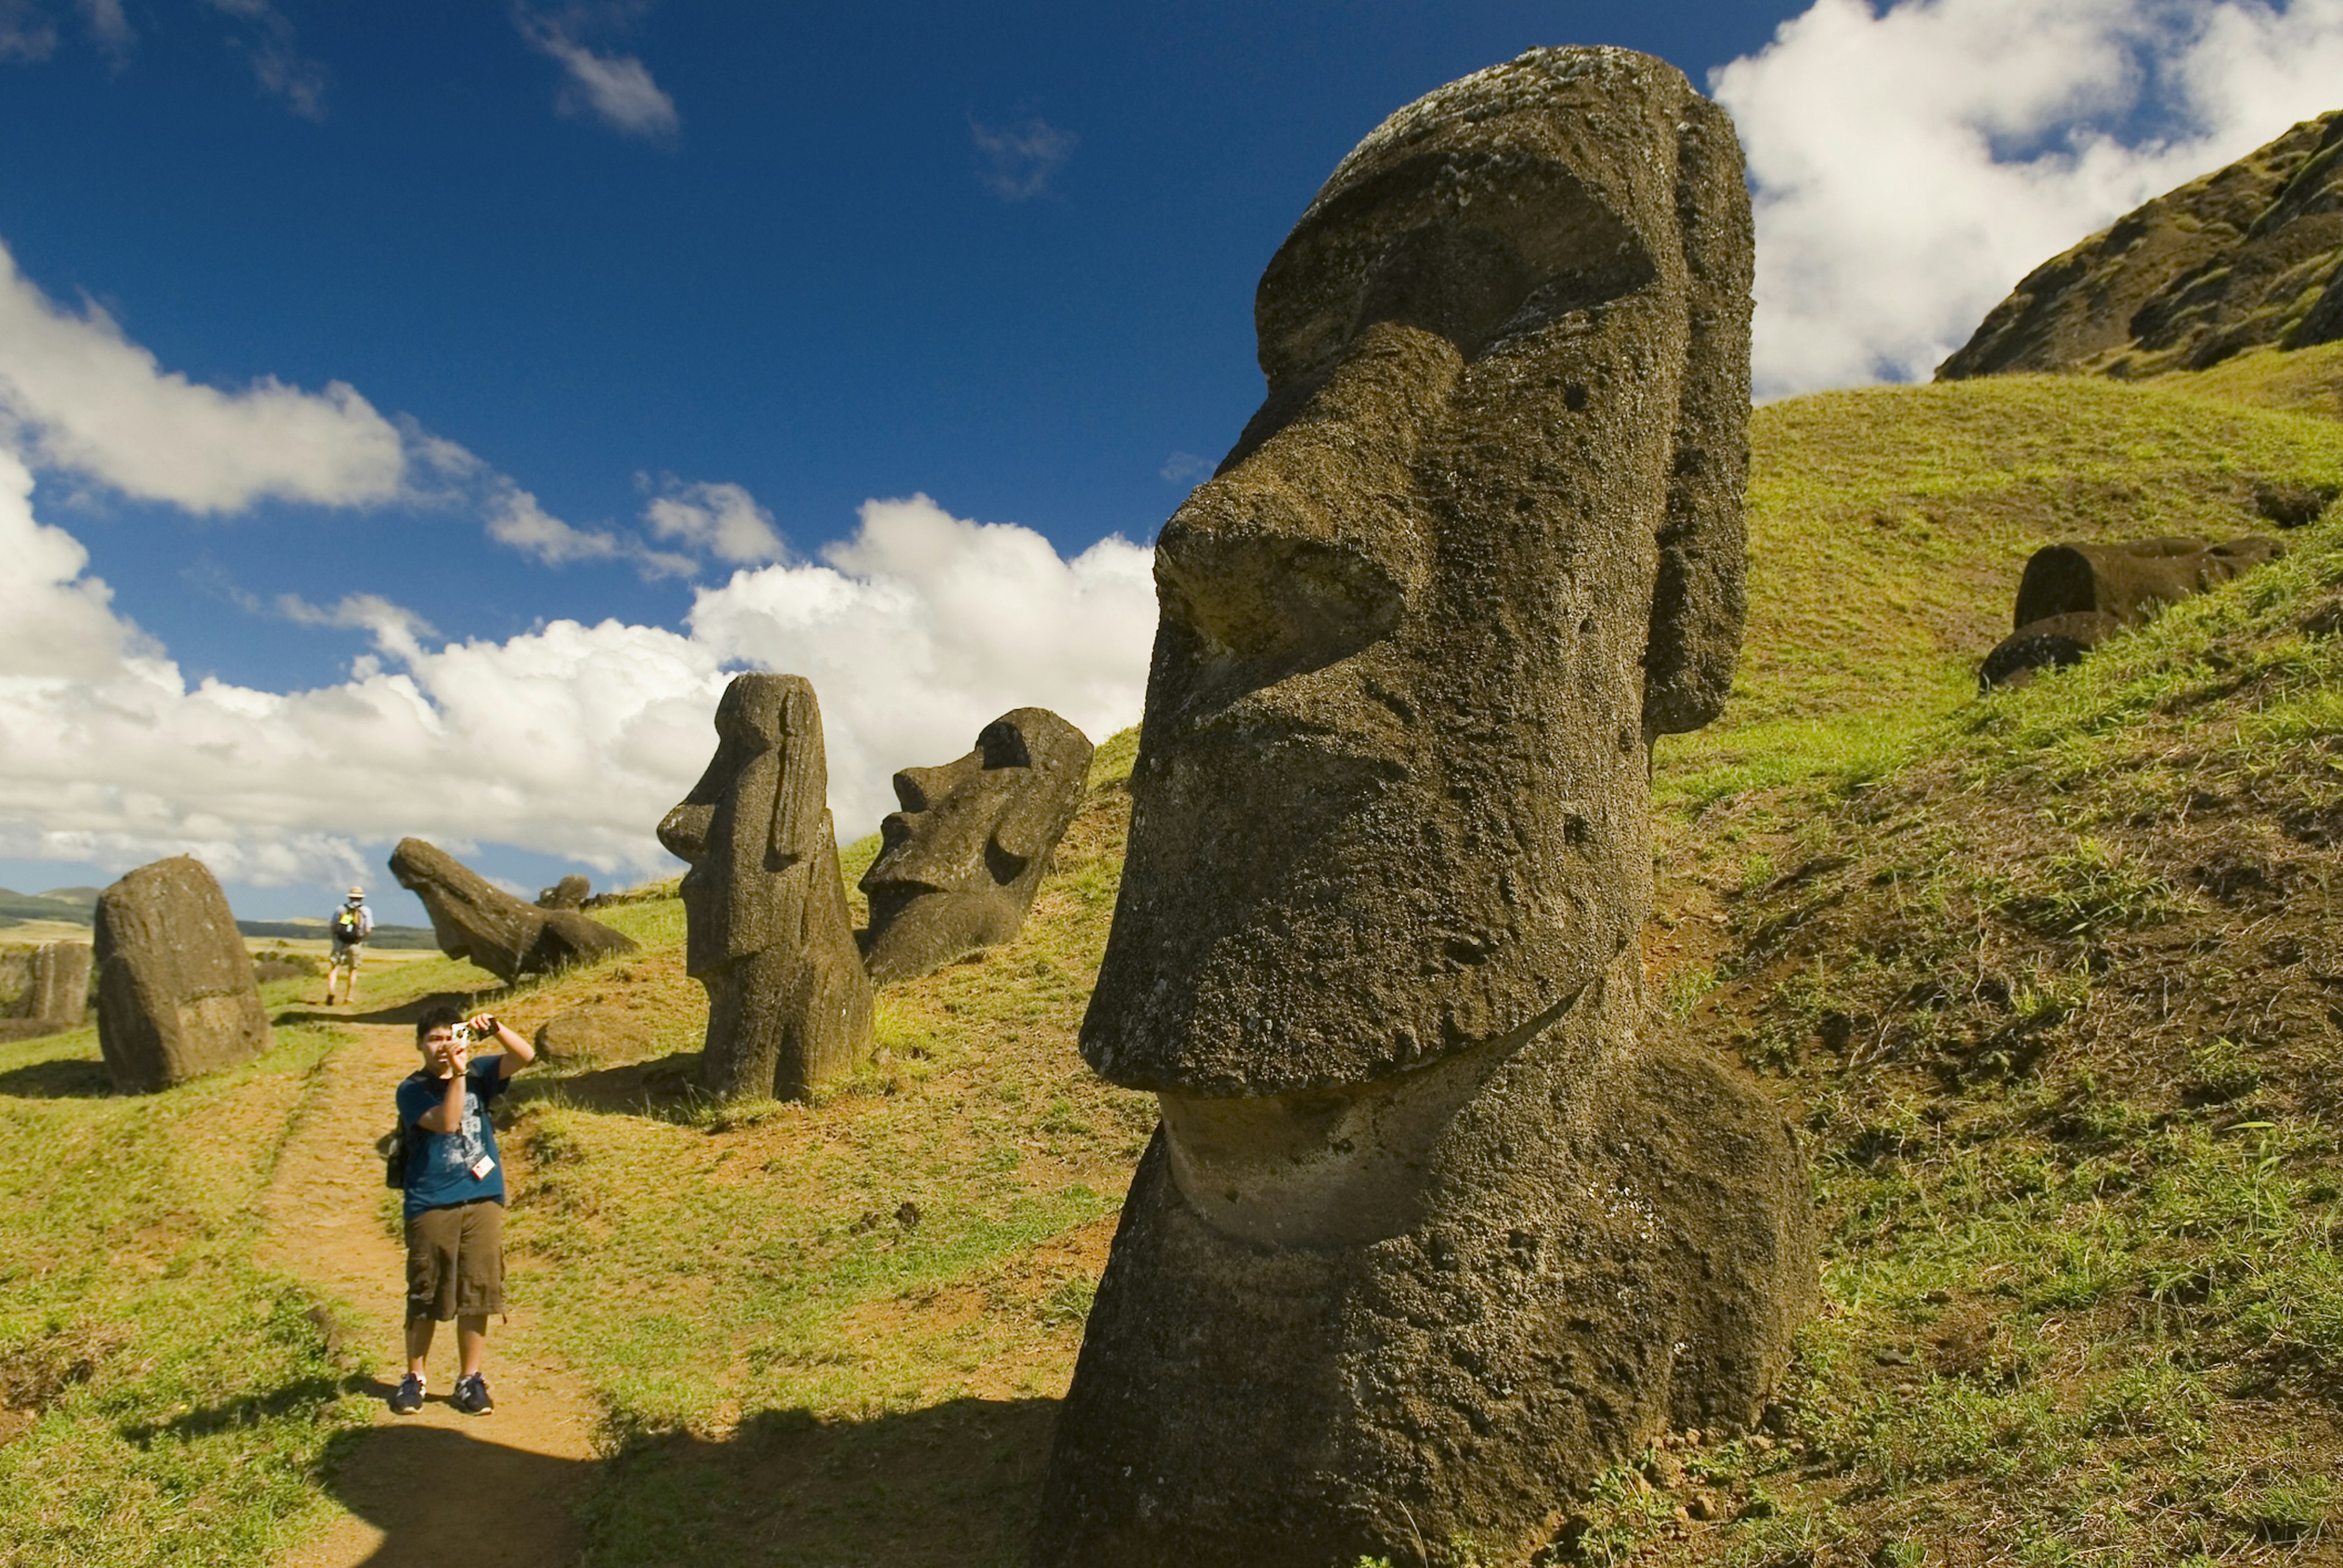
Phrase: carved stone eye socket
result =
(1462, 283)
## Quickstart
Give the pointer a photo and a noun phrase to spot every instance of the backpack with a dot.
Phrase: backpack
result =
(392, 1147)
(347, 927)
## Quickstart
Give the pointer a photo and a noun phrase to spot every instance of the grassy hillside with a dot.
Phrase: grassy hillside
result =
(2020, 967)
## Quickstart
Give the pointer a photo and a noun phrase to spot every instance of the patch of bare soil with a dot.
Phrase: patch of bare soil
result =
(436, 1487)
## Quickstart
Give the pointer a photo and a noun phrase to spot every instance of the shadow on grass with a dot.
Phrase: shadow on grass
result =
(667, 1087)
(406, 1012)
(65, 1078)
(302, 1394)
(952, 1486)
(955, 1485)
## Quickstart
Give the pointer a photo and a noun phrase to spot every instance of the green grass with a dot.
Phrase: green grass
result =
(2079, 1188)
(166, 1400)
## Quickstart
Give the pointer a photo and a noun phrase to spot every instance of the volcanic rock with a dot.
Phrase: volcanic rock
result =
(971, 843)
(570, 893)
(768, 934)
(1430, 1230)
(176, 998)
(47, 985)
(473, 919)
(2055, 640)
(2248, 256)
(2131, 581)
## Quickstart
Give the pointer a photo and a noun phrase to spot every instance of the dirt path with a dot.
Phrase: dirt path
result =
(435, 1487)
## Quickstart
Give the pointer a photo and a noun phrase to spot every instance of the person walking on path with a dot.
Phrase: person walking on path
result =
(352, 924)
(455, 1202)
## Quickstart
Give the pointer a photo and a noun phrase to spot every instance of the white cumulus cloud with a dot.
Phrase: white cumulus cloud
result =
(571, 739)
(77, 396)
(1911, 164)
(723, 519)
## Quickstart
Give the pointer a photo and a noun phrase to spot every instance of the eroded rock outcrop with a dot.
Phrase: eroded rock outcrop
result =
(1432, 1228)
(2250, 254)
(788, 1004)
(473, 919)
(971, 844)
(176, 996)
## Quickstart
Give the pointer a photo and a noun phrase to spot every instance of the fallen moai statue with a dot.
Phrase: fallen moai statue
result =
(48, 987)
(473, 919)
(1432, 1230)
(2073, 596)
(570, 893)
(768, 934)
(176, 996)
(971, 844)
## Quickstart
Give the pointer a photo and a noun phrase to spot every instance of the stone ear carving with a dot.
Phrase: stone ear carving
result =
(1698, 603)
(801, 793)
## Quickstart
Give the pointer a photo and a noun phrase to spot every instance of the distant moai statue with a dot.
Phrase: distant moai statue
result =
(474, 920)
(969, 847)
(1430, 1230)
(176, 996)
(47, 985)
(570, 893)
(788, 1004)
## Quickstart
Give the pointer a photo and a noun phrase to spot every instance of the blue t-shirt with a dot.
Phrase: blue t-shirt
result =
(439, 1164)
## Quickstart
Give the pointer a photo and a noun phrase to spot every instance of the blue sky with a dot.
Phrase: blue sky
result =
(1001, 256)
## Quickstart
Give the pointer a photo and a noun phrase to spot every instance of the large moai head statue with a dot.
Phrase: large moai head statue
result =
(1481, 543)
(768, 929)
(1430, 1232)
(964, 855)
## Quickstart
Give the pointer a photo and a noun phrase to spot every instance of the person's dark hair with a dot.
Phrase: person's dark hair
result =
(440, 1013)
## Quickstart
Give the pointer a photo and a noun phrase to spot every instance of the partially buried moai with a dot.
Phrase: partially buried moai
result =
(966, 853)
(788, 1003)
(1431, 1229)
(176, 996)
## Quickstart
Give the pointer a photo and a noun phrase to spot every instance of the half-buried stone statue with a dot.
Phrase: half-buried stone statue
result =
(176, 996)
(1431, 1229)
(788, 1004)
(473, 919)
(2074, 597)
(973, 842)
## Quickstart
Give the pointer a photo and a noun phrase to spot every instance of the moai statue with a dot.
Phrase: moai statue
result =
(1431, 1229)
(474, 920)
(176, 996)
(788, 1003)
(2134, 580)
(971, 844)
(570, 893)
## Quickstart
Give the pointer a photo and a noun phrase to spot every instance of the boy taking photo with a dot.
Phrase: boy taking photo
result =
(455, 1197)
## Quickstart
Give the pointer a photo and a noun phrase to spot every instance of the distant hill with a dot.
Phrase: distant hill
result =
(315, 932)
(2249, 257)
(75, 906)
(72, 904)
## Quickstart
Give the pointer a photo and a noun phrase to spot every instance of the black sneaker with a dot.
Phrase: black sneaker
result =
(471, 1396)
(407, 1397)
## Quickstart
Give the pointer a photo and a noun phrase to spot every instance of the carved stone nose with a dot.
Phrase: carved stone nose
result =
(1271, 596)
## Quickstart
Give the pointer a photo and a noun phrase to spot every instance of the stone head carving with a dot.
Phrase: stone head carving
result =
(971, 843)
(1429, 1231)
(1481, 543)
(769, 932)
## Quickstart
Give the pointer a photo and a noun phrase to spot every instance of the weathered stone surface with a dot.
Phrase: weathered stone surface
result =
(570, 893)
(174, 992)
(2248, 256)
(1430, 1233)
(589, 1030)
(43, 988)
(788, 1004)
(2055, 640)
(473, 919)
(971, 843)
(2131, 581)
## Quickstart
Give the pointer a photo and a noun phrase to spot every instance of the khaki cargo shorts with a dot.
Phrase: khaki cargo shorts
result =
(346, 955)
(455, 1261)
